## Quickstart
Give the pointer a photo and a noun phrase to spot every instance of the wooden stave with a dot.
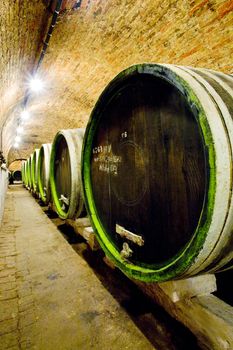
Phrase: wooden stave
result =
(223, 253)
(73, 139)
(44, 155)
(124, 266)
(205, 257)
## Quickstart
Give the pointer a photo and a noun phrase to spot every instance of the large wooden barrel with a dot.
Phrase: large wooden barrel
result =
(10, 178)
(34, 171)
(65, 173)
(157, 171)
(29, 172)
(23, 170)
(16, 175)
(43, 172)
(26, 181)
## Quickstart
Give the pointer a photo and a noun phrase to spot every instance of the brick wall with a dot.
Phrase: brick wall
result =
(91, 45)
(22, 26)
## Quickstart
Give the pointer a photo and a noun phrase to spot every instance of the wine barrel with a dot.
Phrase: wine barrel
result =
(34, 171)
(25, 173)
(29, 172)
(23, 168)
(65, 173)
(27, 169)
(16, 175)
(157, 171)
(10, 178)
(43, 172)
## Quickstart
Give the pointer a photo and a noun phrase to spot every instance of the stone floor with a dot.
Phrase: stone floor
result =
(52, 298)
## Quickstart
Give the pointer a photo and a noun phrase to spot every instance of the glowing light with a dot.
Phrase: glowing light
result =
(17, 138)
(24, 115)
(19, 129)
(16, 145)
(36, 84)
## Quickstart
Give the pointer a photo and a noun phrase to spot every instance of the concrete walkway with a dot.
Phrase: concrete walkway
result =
(49, 296)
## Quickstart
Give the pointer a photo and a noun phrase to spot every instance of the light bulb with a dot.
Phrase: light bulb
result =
(16, 145)
(36, 84)
(17, 138)
(19, 129)
(24, 115)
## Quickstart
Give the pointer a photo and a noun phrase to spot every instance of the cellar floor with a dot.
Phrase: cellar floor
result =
(51, 297)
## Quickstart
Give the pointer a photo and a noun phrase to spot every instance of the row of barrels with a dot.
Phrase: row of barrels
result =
(154, 169)
(14, 176)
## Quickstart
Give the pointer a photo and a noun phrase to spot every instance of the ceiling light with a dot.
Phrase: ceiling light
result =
(16, 145)
(19, 129)
(36, 84)
(24, 115)
(17, 138)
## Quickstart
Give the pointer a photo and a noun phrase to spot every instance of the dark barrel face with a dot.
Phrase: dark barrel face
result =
(17, 175)
(148, 169)
(62, 173)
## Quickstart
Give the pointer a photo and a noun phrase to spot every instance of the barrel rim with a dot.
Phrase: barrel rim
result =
(221, 254)
(182, 261)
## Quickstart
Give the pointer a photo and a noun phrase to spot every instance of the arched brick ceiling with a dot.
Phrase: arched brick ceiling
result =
(91, 45)
(22, 27)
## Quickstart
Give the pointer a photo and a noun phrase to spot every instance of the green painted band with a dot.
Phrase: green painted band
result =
(184, 259)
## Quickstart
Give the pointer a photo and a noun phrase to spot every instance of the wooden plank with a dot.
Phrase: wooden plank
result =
(51, 206)
(190, 301)
(81, 227)
(84, 222)
(189, 287)
(109, 262)
(208, 317)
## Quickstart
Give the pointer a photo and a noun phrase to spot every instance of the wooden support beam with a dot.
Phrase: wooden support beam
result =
(190, 287)
(82, 226)
(190, 301)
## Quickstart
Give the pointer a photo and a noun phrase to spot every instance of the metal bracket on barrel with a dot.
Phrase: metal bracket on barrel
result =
(126, 251)
(133, 237)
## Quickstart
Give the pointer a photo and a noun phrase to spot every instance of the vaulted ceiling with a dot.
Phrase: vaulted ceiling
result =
(89, 46)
